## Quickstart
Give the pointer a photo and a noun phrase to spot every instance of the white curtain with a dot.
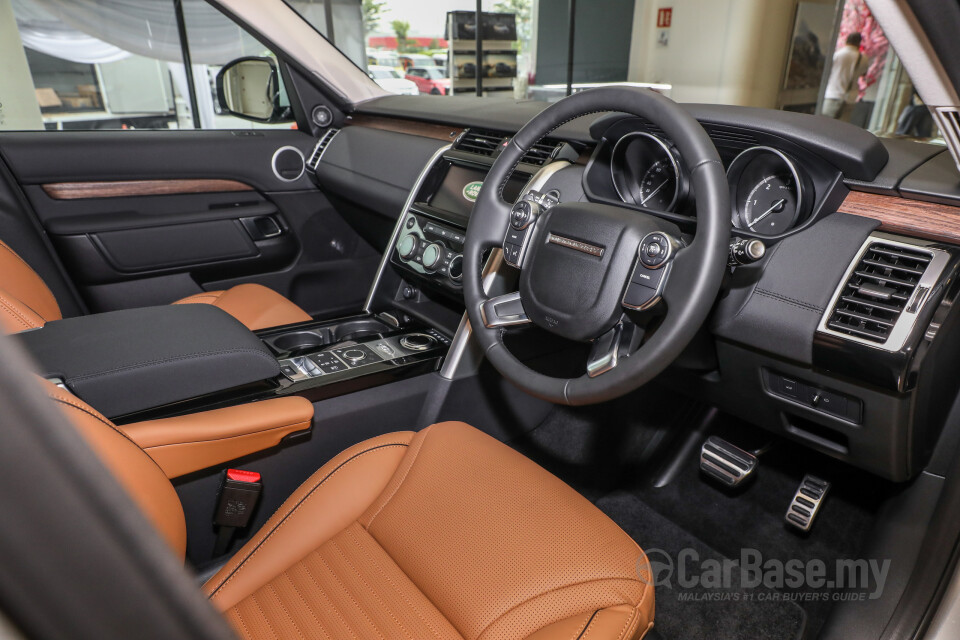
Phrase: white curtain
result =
(88, 30)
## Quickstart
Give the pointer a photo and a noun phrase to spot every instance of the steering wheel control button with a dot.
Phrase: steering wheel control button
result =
(655, 250)
(523, 214)
(516, 236)
(640, 296)
(648, 277)
(417, 342)
(511, 253)
(411, 222)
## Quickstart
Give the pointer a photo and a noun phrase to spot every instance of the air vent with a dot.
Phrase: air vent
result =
(883, 292)
(948, 120)
(480, 142)
(322, 145)
(731, 137)
(540, 153)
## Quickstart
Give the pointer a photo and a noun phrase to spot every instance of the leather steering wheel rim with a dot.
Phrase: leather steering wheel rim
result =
(697, 269)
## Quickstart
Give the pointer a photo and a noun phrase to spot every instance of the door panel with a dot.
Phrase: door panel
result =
(148, 217)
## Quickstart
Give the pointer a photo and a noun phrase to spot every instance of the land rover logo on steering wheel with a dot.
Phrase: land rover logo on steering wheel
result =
(472, 190)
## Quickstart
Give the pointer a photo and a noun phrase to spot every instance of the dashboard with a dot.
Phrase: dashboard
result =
(840, 337)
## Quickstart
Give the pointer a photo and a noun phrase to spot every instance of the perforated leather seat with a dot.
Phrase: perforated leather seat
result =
(445, 533)
(27, 303)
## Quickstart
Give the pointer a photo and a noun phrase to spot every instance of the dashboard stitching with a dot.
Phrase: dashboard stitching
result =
(791, 301)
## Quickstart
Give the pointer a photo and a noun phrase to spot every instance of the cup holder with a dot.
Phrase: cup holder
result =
(301, 341)
(314, 339)
(355, 329)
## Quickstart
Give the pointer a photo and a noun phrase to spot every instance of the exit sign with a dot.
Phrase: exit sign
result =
(664, 17)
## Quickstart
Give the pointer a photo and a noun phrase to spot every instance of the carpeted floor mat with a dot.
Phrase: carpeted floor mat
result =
(687, 612)
(612, 453)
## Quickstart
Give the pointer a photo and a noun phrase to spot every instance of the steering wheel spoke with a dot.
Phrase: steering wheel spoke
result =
(607, 350)
(503, 311)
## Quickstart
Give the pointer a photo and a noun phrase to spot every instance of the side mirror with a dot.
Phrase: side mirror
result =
(249, 88)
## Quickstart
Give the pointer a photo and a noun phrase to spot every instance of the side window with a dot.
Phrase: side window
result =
(213, 41)
(86, 65)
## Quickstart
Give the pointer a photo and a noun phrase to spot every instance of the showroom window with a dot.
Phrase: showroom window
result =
(118, 64)
(778, 55)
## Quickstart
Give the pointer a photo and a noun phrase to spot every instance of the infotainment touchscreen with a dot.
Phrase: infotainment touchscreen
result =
(460, 187)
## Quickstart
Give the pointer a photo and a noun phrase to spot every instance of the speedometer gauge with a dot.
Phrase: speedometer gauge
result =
(766, 191)
(645, 172)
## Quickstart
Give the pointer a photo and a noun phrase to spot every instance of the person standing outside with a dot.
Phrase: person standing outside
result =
(848, 65)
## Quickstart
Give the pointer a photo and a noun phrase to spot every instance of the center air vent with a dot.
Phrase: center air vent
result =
(480, 142)
(488, 143)
(883, 292)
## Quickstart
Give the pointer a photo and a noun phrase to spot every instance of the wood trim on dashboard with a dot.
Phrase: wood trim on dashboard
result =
(411, 127)
(82, 190)
(917, 218)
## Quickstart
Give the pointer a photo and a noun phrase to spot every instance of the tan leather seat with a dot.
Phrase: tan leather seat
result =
(445, 533)
(27, 303)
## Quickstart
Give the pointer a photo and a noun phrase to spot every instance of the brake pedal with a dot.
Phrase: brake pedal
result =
(726, 463)
(806, 503)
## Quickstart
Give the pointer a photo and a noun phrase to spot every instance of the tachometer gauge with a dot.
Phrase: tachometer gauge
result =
(766, 190)
(645, 172)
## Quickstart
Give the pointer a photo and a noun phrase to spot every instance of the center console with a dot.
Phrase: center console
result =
(204, 359)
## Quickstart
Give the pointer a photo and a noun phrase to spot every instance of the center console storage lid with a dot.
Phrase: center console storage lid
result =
(126, 361)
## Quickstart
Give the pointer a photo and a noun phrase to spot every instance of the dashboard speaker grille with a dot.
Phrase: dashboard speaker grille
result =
(878, 291)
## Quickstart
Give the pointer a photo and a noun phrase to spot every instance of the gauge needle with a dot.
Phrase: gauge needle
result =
(777, 206)
(643, 201)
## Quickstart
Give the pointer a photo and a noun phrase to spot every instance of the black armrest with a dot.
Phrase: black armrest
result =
(126, 361)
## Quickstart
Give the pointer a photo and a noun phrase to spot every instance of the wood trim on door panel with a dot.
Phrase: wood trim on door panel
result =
(917, 218)
(411, 127)
(82, 190)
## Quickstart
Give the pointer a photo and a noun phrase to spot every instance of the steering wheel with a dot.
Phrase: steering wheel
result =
(586, 266)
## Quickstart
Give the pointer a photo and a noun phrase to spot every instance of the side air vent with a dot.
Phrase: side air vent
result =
(322, 145)
(883, 291)
(480, 142)
(948, 120)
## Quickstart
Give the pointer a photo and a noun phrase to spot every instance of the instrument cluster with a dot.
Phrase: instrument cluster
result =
(770, 194)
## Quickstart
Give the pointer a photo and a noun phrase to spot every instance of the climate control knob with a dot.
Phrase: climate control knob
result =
(407, 247)
(432, 255)
(455, 270)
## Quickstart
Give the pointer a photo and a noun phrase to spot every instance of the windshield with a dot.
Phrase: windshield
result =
(433, 73)
(829, 58)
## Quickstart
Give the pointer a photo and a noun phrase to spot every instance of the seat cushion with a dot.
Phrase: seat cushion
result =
(446, 533)
(256, 306)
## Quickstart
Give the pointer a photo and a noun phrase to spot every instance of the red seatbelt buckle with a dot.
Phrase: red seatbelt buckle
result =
(239, 494)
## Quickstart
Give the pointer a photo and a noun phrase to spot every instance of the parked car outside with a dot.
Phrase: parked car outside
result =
(429, 80)
(390, 79)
